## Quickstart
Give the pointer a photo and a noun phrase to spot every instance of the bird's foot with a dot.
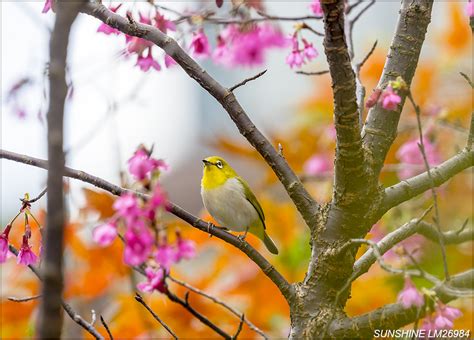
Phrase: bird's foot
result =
(243, 237)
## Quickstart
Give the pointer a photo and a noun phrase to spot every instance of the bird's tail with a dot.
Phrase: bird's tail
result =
(269, 244)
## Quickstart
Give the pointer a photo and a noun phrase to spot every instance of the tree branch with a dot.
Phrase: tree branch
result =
(305, 204)
(139, 298)
(285, 288)
(199, 316)
(363, 264)
(380, 128)
(394, 316)
(350, 171)
(409, 188)
(72, 314)
(50, 319)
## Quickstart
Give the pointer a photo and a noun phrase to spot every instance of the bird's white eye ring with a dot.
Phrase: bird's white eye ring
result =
(219, 164)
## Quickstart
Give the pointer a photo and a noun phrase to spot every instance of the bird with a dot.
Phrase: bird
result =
(231, 202)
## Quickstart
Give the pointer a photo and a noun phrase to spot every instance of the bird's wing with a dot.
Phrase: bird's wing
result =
(253, 200)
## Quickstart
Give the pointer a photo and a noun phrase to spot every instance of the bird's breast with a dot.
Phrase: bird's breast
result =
(229, 206)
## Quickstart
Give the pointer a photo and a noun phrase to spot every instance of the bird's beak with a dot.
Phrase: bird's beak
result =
(206, 162)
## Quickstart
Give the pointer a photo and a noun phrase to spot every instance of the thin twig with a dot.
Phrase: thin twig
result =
(433, 190)
(359, 65)
(221, 303)
(185, 303)
(465, 76)
(245, 81)
(156, 317)
(239, 329)
(41, 194)
(25, 299)
(318, 73)
(309, 28)
(106, 327)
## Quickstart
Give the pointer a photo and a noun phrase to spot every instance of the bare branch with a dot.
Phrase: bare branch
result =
(239, 329)
(156, 317)
(318, 73)
(25, 299)
(106, 328)
(381, 125)
(285, 288)
(72, 314)
(409, 188)
(40, 195)
(437, 221)
(394, 316)
(371, 51)
(305, 204)
(245, 81)
(465, 76)
(221, 303)
(50, 320)
(199, 316)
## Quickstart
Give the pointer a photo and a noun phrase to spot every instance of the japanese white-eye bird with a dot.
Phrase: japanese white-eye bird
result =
(229, 200)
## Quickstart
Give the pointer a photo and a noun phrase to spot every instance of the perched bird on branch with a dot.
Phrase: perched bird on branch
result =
(230, 201)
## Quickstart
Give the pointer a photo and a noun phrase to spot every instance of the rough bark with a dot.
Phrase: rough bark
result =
(380, 129)
(50, 316)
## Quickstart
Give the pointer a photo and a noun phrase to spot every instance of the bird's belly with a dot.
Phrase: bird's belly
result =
(228, 205)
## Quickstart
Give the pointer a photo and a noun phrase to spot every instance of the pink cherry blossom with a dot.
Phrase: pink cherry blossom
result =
(442, 322)
(470, 8)
(309, 51)
(106, 29)
(105, 234)
(373, 98)
(4, 243)
(428, 324)
(157, 200)
(47, 6)
(164, 24)
(127, 207)
(295, 58)
(316, 8)
(26, 255)
(155, 281)
(140, 165)
(409, 153)
(390, 99)
(138, 243)
(137, 45)
(317, 165)
(450, 312)
(410, 296)
(166, 255)
(186, 249)
(145, 63)
(199, 46)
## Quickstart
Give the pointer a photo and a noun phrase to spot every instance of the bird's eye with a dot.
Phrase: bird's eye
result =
(219, 164)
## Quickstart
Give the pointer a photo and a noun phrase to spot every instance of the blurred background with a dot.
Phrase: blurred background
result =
(115, 107)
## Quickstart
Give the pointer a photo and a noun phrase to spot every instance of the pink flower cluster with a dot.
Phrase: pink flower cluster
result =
(239, 47)
(442, 318)
(140, 47)
(300, 56)
(25, 256)
(137, 214)
(409, 153)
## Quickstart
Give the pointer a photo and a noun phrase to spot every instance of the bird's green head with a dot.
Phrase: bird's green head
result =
(216, 172)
